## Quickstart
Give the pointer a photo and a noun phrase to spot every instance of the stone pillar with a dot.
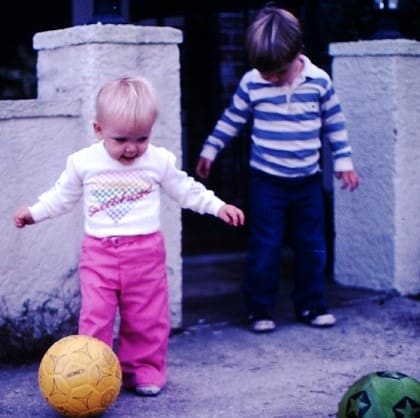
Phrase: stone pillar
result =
(377, 243)
(74, 63)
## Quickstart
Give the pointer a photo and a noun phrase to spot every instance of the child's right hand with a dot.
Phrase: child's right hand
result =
(203, 167)
(23, 217)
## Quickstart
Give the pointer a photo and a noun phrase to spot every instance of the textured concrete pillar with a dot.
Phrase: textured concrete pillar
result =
(74, 63)
(377, 242)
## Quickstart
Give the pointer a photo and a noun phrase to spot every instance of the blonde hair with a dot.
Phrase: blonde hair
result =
(273, 39)
(130, 99)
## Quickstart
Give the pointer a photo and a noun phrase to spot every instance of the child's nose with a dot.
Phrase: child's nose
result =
(130, 147)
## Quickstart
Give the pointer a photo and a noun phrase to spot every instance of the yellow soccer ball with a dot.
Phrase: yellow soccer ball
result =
(80, 376)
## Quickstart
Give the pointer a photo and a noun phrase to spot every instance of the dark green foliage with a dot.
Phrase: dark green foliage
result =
(26, 335)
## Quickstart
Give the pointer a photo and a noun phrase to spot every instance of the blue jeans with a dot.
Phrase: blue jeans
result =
(272, 202)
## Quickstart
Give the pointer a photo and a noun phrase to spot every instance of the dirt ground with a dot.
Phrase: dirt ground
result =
(217, 368)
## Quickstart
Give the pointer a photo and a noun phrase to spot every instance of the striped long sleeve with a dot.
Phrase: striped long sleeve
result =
(289, 124)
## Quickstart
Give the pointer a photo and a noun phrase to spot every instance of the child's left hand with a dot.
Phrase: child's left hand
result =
(349, 179)
(231, 215)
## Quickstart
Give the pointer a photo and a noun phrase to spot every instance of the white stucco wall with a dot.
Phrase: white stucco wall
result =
(377, 227)
(72, 64)
(76, 61)
(35, 138)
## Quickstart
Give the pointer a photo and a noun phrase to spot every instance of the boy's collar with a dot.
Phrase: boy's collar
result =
(308, 69)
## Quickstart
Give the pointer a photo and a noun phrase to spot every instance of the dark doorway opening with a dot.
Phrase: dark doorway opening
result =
(212, 62)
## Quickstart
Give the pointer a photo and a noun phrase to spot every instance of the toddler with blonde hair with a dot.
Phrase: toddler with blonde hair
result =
(122, 265)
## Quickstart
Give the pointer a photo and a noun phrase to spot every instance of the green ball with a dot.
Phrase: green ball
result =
(385, 394)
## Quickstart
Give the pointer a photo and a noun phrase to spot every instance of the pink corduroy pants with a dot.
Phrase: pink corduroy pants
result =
(128, 274)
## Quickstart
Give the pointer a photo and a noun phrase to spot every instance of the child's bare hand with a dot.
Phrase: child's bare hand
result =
(231, 215)
(203, 168)
(349, 179)
(23, 217)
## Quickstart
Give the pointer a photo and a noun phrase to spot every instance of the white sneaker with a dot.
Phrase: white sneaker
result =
(317, 318)
(148, 390)
(261, 325)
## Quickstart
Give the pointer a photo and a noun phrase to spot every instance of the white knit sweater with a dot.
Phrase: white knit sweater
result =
(121, 200)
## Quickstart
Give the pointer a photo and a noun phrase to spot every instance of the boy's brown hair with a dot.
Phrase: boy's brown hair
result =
(273, 39)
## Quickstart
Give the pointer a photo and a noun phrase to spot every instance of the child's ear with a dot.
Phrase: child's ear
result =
(97, 129)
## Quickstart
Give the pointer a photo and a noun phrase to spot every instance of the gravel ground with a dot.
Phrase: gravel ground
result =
(219, 369)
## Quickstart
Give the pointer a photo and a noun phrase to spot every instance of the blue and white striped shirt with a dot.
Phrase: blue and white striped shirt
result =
(289, 123)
